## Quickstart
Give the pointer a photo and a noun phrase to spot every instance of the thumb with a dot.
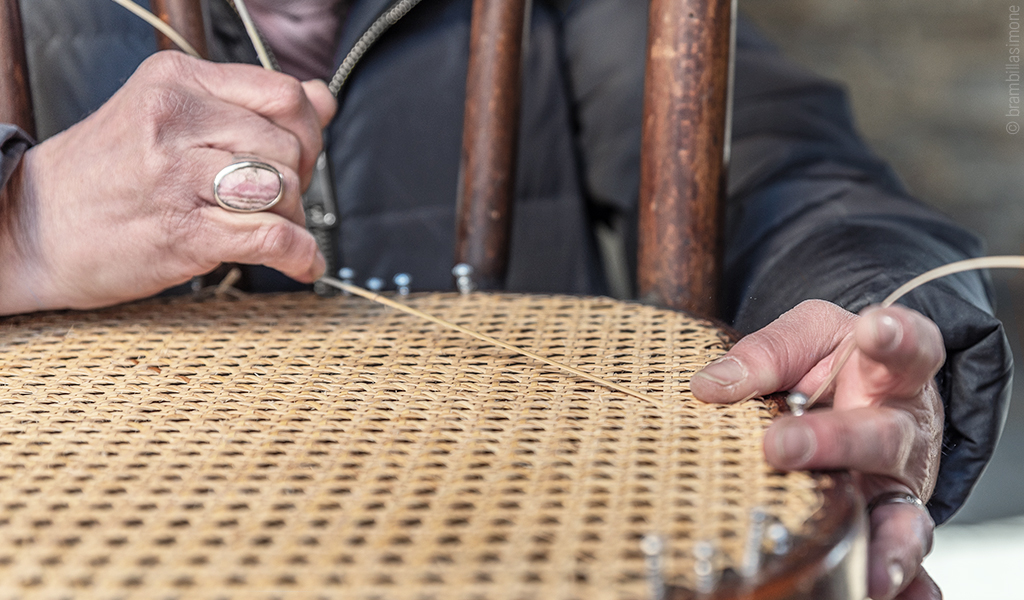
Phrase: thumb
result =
(776, 357)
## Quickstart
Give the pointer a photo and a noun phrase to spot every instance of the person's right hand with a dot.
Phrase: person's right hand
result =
(121, 205)
(885, 421)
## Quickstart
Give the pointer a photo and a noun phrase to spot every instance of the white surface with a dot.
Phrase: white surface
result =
(982, 561)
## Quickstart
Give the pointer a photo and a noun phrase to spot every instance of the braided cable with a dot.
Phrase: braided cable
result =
(384, 22)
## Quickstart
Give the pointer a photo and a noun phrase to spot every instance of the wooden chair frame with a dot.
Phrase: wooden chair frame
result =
(684, 144)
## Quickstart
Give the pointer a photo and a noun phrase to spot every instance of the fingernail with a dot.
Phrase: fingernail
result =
(887, 332)
(895, 578)
(794, 443)
(724, 372)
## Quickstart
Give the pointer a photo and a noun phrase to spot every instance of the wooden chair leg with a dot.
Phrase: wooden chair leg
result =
(186, 17)
(15, 94)
(682, 179)
(490, 133)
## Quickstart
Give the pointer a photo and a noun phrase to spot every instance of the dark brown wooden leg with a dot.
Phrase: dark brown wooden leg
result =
(186, 17)
(15, 95)
(489, 145)
(682, 178)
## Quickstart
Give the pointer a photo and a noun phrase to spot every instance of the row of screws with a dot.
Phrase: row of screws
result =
(462, 272)
(765, 534)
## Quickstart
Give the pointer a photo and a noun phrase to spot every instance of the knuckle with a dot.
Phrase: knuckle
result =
(287, 148)
(285, 95)
(282, 244)
(166, 64)
(814, 307)
(293, 150)
(166, 110)
(273, 240)
(820, 311)
(168, 67)
(781, 343)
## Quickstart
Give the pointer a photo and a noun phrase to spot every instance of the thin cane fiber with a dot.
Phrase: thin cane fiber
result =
(292, 446)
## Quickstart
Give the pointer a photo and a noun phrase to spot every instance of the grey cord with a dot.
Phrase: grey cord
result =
(384, 22)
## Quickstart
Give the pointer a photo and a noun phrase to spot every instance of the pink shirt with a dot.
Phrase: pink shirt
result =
(303, 34)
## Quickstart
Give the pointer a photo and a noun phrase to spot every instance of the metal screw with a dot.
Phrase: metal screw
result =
(755, 539)
(797, 403)
(402, 280)
(778, 535)
(652, 546)
(346, 275)
(463, 277)
(704, 567)
(375, 284)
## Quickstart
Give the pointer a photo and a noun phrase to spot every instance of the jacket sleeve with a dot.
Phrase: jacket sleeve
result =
(813, 213)
(13, 144)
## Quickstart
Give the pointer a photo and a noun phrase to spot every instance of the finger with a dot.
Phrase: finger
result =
(262, 238)
(875, 440)
(277, 97)
(323, 101)
(777, 356)
(923, 587)
(901, 351)
(901, 536)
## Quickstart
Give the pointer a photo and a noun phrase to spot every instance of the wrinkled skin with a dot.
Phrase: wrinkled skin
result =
(121, 205)
(885, 420)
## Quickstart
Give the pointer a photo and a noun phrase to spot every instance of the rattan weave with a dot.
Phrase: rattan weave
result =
(298, 447)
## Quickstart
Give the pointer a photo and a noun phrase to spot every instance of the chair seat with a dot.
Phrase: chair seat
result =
(291, 444)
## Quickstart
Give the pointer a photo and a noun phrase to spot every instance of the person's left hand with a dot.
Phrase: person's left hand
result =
(885, 421)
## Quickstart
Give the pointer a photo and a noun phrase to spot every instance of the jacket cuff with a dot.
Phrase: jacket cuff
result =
(13, 144)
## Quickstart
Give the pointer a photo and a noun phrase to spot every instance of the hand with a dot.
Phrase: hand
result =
(885, 421)
(121, 205)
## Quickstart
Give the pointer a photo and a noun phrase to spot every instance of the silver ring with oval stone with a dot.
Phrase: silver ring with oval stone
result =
(248, 186)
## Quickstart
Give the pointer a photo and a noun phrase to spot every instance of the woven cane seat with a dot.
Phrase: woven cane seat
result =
(291, 446)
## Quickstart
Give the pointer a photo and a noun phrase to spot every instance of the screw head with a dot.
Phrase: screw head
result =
(462, 270)
(778, 535)
(375, 284)
(797, 403)
(402, 279)
(651, 545)
(346, 273)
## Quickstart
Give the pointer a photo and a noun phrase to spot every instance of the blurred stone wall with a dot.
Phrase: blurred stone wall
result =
(927, 83)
